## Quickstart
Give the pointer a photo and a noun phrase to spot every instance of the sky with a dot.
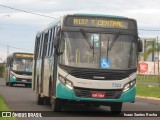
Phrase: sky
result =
(18, 29)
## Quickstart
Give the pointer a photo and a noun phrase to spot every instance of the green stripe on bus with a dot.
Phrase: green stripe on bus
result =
(65, 93)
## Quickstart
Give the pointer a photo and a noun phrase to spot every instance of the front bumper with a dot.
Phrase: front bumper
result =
(64, 92)
(13, 80)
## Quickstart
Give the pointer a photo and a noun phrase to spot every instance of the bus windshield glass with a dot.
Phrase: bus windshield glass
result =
(22, 64)
(108, 51)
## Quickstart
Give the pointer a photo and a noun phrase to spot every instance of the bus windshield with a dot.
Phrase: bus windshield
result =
(22, 64)
(117, 50)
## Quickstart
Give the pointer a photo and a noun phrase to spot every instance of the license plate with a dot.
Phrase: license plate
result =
(98, 95)
(24, 80)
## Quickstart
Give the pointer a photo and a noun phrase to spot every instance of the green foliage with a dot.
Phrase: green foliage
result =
(2, 70)
(149, 51)
(3, 107)
(147, 91)
(151, 47)
(148, 78)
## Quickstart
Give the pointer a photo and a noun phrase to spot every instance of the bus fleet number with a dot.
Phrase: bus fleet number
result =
(116, 85)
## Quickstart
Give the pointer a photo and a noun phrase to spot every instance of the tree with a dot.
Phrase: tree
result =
(151, 47)
(2, 70)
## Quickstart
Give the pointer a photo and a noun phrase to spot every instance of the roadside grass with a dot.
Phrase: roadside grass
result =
(145, 90)
(147, 78)
(3, 107)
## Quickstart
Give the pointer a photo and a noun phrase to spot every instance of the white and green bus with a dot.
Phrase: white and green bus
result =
(19, 69)
(87, 59)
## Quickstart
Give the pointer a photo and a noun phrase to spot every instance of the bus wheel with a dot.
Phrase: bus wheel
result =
(7, 83)
(47, 101)
(28, 85)
(57, 105)
(40, 100)
(116, 108)
(10, 84)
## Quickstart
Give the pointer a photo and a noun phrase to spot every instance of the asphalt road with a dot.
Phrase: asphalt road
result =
(20, 98)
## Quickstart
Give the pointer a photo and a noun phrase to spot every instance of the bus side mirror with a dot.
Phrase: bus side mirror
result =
(57, 38)
(61, 47)
(11, 65)
(140, 45)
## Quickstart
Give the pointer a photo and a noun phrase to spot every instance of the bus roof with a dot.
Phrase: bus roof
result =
(99, 15)
(13, 54)
(22, 53)
(60, 18)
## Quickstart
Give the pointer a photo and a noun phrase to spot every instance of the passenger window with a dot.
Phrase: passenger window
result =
(51, 41)
(45, 44)
(48, 42)
(41, 45)
(37, 47)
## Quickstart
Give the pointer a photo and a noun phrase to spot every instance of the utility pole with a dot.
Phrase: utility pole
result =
(7, 50)
(0, 28)
(145, 45)
(158, 55)
(153, 56)
(158, 59)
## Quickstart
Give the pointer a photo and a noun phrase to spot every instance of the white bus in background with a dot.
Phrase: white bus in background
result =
(19, 69)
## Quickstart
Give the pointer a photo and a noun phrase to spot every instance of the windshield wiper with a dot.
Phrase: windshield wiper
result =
(86, 38)
(114, 40)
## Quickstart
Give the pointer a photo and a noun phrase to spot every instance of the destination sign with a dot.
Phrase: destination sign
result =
(24, 55)
(96, 22)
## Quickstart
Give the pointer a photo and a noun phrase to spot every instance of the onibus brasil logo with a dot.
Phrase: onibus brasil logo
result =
(21, 114)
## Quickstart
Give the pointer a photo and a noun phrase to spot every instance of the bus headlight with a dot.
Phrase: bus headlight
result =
(69, 84)
(61, 79)
(129, 85)
(65, 82)
(14, 77)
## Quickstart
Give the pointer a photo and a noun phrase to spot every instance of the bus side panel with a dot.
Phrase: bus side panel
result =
(46, 77)
(34, 75)
(38, 76)
(34, 69)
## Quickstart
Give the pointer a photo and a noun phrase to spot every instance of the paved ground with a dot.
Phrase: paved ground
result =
(20, 98)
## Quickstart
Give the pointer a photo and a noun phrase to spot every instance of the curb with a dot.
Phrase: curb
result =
(149, 98)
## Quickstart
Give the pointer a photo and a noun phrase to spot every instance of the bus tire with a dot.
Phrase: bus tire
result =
(28, 85)
(116, 107)
(7, 83)
(57, 105)
(40, 100)
(47, 101)
(10, 84)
